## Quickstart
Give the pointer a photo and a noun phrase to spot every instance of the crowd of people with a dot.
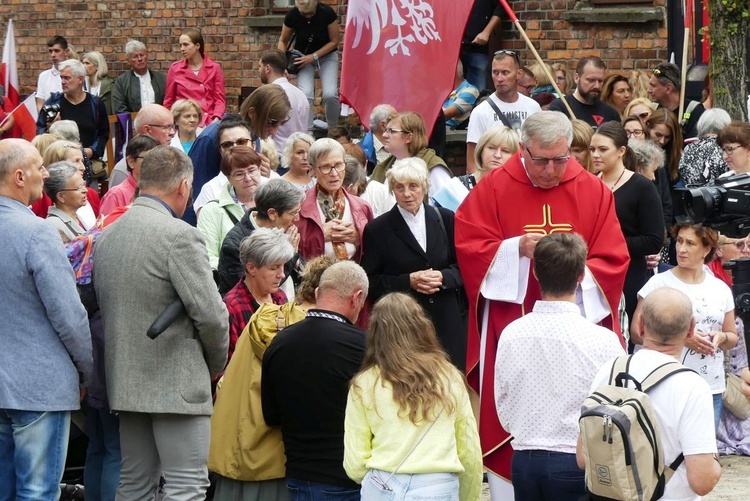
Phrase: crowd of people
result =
(246, 312)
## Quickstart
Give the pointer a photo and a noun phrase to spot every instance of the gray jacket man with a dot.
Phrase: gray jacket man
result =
(161, 387)
(46, 346)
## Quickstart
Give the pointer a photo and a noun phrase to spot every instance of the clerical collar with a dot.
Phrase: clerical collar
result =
(330, 315)
(174, 214)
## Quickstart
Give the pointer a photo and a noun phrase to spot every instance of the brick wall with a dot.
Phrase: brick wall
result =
(107, 24)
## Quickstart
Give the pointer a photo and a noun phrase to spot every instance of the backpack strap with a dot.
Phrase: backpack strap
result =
(499, 113)
(661, 373)
(669, 470)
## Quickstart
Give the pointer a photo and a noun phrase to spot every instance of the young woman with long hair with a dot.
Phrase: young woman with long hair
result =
(409, 424)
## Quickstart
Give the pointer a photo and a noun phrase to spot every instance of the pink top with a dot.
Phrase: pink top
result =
(119, 196)
(206, 88)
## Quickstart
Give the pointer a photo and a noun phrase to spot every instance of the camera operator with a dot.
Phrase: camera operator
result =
(73, 103)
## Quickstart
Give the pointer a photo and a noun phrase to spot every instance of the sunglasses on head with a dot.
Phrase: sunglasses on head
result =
(510, 53)
(664, 74)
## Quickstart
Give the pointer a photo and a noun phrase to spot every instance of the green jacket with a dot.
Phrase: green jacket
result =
(427, 154)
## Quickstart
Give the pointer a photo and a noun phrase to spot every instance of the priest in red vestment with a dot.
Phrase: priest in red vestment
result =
(539, 191)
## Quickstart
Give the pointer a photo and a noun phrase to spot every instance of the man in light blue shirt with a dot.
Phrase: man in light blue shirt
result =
(46, 356)
(460, 102)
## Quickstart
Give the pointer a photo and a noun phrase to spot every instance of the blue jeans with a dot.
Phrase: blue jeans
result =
(33, 446)
(302, 490)
(328, 70)
(423, 486)
(102, 471)
(546, 476)
(475, 68)
(718, 404)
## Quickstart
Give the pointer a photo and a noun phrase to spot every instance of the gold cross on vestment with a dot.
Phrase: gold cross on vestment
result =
(547, 227)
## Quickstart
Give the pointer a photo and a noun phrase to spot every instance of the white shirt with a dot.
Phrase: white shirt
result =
(298, 117)
(147, 90)
(48, 82)
(711, 299)
(545, 363)
(379, 198)
(416, 225)
(684, 411)
(439, 177)
(483, 117)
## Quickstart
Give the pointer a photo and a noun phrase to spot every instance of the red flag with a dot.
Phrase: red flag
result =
(9, 70)
(401, 52)
(25, 115)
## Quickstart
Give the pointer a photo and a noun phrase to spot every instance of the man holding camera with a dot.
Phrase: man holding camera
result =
(75, 104)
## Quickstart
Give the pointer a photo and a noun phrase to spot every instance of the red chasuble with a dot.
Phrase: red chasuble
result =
(503, 205)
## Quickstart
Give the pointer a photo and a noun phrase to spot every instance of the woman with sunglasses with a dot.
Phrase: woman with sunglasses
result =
(640, 107)
(734, 141)
(331, 221)
(702, 160)
(405, 136)
(196, 77)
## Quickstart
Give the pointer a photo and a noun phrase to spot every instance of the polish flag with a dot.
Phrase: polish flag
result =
(25, 115)
(9, 70)
(401, 53)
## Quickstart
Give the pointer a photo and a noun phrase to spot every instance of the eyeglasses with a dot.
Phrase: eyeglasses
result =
(644, 116)
(663, 74)
(240, 142)
(390, 131)
(170, 127)
(326, 169)
(81, 187)
(740, 244)
(729, 150)
(634, 133)
(543, 162)
(276, 123)
(239, 175)
(510, 53)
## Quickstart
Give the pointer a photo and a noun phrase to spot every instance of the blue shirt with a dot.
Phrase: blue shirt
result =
(464, 98)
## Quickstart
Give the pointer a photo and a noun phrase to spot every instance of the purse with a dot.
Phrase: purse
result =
(292, 54)
(733, 399)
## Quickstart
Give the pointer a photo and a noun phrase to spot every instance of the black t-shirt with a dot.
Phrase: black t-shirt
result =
(690, 129)
(593, 114)
(480, 15)
(305, 383)
(312, 34)
(83, 115)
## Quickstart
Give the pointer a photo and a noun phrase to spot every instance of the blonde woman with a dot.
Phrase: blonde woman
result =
(640, 107)
(579, 148)
(409, 431)
(563, 78)
(98, 81)
(494, 148)
(187, 116)
(543, 83)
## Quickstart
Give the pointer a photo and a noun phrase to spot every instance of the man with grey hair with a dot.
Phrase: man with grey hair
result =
(154, 120)
(139, 86)
(682, 403)
(539, 191)
(372, 143)
(160, 387)
(306, 374)
(75, 104)
(46, 357)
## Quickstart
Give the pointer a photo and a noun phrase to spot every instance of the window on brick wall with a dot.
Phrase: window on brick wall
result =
(281, 4)
(620, 2)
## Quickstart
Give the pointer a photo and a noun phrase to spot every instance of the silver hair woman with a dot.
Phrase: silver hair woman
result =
(294, 158)
(67, 190)
(649, 157)
(411, 249)
(702, 161)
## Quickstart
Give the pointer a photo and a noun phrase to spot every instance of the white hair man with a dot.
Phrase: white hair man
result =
(373, 143)
(139, 86)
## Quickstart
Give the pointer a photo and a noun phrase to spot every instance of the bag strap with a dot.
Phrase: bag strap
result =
(661, 373)
(499, 113)
(67, 223)
(232, 217)
(291, 41)
(385, 484)
(669, 470)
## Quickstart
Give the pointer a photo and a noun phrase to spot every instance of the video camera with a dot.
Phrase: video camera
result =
(723, 205)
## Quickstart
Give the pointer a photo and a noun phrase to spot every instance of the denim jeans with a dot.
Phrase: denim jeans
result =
(302, 490)
(718, 404)
(102, 471)
(405, 486)
(546, 476)
(328, 70)
(475, 68)
(33, 446)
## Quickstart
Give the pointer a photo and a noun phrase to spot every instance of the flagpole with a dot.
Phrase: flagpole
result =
(514, 19)
(687, 12)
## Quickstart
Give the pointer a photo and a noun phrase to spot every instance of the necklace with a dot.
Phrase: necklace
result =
(618, 180)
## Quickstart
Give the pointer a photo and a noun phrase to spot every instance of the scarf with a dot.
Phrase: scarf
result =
(333, 208)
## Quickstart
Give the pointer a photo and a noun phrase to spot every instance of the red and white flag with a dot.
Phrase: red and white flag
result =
(9, 70)
(403, 53)
(25, 115)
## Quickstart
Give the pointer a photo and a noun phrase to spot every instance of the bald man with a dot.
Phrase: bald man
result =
(45, 327)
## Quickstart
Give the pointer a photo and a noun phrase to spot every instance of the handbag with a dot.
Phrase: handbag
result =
(733, 399)
(98, 169)
(292, 54)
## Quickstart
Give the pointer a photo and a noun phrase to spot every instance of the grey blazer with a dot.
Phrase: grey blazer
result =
(126, 92)
(45, 344)
(66, 225)
(142, 263)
